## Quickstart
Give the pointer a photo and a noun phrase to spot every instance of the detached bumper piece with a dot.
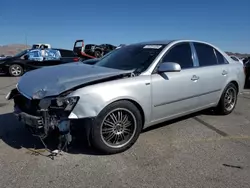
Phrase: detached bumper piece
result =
(34, 123)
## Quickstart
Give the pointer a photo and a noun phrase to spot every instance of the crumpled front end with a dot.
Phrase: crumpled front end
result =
(46, 115)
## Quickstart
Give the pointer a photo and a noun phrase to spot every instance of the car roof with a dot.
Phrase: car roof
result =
(154, 42)
(166, 42)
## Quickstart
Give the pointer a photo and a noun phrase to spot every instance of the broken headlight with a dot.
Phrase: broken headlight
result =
(68, 103)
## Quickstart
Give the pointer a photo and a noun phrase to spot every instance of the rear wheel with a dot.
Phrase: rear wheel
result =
(117, 127)
(16, 70)
(228, 100)
(247, 79)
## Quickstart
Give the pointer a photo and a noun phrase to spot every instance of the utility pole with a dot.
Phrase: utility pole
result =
(26, 40)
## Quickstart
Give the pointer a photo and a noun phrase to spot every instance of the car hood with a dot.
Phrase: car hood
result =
(51, 81)
(5, 59)
(8, 59)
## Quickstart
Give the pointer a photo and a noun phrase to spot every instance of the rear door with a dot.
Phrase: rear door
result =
(213, 71)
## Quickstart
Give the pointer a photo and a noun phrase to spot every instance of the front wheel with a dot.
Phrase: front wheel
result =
(16, 70)
(228, 100)
(117, 127)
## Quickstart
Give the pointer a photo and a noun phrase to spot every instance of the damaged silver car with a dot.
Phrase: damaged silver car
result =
(135, 87)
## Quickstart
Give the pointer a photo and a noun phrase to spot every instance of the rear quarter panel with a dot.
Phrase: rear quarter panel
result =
(236, 73)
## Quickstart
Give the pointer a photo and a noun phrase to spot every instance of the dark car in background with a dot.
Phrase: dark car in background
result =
(31, 59)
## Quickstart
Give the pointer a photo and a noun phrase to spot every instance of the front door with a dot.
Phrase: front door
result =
(175, 93)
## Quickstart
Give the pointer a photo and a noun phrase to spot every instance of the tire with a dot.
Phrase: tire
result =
(222, 108)
(99, 139)
(247, 79)
(98, 54)
(16, 70)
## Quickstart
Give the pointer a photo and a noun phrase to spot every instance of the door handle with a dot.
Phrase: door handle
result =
(195, 78)
(224, 73)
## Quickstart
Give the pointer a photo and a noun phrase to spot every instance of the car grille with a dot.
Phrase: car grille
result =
(27, 105)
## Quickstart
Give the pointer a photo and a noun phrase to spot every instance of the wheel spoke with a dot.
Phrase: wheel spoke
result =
(125, 119)
(111, 135)
(127, 124)
(112, 116)
(128, 131)
(116, 138)
(122, 136)
(107, 130)
(109, 124)
(120, 116)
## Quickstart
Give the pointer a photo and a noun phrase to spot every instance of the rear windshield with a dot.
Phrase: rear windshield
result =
(138, 57)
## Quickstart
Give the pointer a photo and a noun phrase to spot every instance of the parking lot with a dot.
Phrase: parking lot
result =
(202, 150)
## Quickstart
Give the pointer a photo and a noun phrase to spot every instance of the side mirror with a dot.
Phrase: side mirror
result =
(169, 67)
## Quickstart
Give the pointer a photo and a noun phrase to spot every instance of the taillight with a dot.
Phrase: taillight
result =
(75, 59)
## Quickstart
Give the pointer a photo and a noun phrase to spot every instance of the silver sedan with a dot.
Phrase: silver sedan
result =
(136, 86)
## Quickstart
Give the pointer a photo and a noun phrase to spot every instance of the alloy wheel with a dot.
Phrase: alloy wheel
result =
(16, 70)
(230, 98)
(118, 128)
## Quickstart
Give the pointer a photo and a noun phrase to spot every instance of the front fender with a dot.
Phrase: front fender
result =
(93, 99)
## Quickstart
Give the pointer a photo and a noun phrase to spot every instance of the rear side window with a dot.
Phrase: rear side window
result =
(67, 53)
(182, 54)
(234, 58)
(206, 54)
(221, 59)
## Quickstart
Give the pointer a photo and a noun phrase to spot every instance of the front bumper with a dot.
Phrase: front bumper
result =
(42, 120)
(40, 126)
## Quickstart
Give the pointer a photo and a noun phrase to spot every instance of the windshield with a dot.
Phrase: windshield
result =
(137, 57)
(21, 53)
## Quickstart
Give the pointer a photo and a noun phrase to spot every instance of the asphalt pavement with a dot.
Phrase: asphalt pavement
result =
(202, 150)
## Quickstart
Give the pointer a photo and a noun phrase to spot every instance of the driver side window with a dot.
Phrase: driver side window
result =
(180, 53)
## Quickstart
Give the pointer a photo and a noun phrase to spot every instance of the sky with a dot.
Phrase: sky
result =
(225, 24)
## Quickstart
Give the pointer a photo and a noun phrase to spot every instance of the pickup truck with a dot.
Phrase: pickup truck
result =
(91, 51)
